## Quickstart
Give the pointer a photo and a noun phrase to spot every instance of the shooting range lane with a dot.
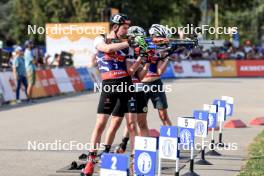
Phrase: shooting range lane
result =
(73, 118)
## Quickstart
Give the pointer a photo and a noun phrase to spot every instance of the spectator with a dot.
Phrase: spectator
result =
(30, 68)
(37, 52)
(240, 54)
(46, 59)
(196, 53)
(247, 46)
(19, 71)
(232, 54)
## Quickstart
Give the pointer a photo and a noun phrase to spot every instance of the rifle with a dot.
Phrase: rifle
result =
(145, 46)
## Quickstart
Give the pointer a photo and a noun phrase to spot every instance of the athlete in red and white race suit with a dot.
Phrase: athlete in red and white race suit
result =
(112, 64)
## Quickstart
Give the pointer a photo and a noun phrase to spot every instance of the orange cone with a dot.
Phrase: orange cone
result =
(257, 121)
(235, 124)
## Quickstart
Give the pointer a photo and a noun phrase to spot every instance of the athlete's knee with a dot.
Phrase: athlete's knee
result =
(131, 126)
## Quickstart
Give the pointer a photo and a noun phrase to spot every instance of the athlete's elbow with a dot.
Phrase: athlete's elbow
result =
(160, 71)
(131, 71)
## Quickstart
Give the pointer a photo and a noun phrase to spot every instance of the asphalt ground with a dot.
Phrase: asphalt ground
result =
(72, 118)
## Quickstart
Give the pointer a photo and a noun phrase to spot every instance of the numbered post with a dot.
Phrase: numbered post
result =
(229, 105)
(221, 116)
(145, 155)
(168, 146)
(201, 130)
(114, 164)
(212, 123)
(186, 135)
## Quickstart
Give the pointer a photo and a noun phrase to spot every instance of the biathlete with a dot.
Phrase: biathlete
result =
(141, 103)
(112, 64)
(156, 91)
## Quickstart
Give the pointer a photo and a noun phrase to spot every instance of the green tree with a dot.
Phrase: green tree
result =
(16, 15)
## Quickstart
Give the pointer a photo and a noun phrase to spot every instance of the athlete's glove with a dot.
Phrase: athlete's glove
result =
(141, 43)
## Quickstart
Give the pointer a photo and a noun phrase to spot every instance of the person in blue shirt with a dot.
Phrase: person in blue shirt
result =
(19, 71)
(30, 67)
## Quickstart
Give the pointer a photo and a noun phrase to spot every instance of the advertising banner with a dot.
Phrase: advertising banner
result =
(38, 89)
(169, 72)
(75, 79)
(75, 38)
(95, 75)
(192, 69)
(9, 87)
(85, 77)
(1, 93)
(62, 79)
(250, 68)
(224, 68)
(48, 82)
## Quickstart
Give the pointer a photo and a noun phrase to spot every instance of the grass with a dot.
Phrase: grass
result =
(255, 163)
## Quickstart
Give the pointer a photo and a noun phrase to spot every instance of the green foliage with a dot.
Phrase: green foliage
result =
(255, 163)
(16, 15)
(248, 16)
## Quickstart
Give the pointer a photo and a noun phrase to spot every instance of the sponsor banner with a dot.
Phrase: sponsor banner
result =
(75, 38)
(250, 68)
(38, 89)
(9, 87)
(52, 82)
(75, 79)
(85, 77)
(169, 73)
(48, 82)
(95, 75)
(62, 79)
(1, 94)
(192, 69)
(224, 68)
(44, 82)
(6, 88)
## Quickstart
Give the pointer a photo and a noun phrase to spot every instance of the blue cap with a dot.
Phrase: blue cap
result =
(28, 42)
(18, 49)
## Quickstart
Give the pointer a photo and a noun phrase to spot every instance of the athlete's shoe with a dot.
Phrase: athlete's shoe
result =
(121, 148)
(89, 167)
(83, 156)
